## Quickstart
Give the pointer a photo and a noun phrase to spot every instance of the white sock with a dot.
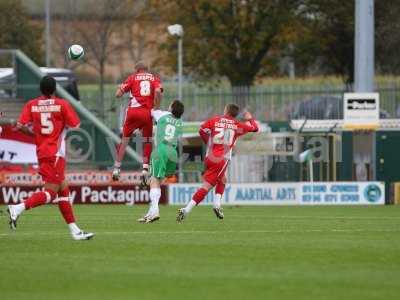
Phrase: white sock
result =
(74, 228)
(19, 208)
(190, 206)
(117, 164)
(155, 194)
(217, 200)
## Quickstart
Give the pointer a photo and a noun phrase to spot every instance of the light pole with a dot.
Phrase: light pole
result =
(48, 45)
(177, 30)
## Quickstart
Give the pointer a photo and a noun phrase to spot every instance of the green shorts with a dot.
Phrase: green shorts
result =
(163, 161)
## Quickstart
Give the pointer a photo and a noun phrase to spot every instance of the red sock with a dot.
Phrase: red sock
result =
(39, 198)
(146, 151)
(220, 188)
(65, 206)
(200, 195)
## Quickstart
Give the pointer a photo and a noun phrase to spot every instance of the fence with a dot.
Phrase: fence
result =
(269, 103)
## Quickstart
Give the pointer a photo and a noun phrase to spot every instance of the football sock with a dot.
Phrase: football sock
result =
(120, 154)
(19, 208)
(146, 151)
(219, 191)
(74, 228)
(65, 207)
(66, 210)
(40, 198)
(190, 206)
(200, 194)
(155, 194)
(217, 200)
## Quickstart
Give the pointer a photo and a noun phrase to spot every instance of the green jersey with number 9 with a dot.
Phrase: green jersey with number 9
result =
(168, 130)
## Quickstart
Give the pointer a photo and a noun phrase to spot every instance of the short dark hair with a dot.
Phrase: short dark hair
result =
(47, 85)
(232, 110)
(177, 108)
(140, 66)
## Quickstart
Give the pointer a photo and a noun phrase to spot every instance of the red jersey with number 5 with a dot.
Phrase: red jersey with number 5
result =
(49, 119)
(142, 88)
(221, 132)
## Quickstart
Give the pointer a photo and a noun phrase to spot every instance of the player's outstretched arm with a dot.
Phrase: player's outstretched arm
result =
(157, 98)
(157, 114)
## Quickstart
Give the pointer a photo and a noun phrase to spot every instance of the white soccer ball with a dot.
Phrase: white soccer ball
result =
(76, 52)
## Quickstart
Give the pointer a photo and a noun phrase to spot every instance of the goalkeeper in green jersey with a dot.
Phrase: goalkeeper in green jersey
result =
(165, 156)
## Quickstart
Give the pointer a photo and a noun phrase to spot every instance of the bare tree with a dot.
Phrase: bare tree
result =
(98, 36)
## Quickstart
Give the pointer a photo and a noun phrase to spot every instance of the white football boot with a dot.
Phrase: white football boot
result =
(144, 218)
(153, 217)
(13, 217)
(82, 236)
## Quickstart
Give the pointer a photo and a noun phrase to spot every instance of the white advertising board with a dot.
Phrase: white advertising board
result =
(290, 193)
(361, 109)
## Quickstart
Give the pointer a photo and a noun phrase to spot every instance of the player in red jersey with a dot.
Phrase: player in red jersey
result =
(47, 118)
(145, 91)
(220, 134)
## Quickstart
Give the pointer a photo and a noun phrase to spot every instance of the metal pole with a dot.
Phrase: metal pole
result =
(180, 67)
(48, 46)
(364, 46)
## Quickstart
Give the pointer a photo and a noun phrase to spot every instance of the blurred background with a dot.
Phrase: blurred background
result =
(284, 60)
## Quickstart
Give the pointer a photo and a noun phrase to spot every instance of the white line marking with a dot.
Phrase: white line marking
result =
(209, 232)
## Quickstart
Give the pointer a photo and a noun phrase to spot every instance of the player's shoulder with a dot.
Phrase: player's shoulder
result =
(214, 118)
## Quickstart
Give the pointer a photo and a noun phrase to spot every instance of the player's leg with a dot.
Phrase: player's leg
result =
(121, 148)
(147, 133)
(155, 194)
(130, 125)
(170, 157)
(219, 191)
(47, 195)
(211, 177)
(65, 207)
(158, 171)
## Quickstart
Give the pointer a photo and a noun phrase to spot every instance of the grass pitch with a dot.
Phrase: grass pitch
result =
(255, 253)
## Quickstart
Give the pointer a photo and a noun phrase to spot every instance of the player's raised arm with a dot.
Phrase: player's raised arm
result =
(250, 125)
(205, 131)
(158, 89)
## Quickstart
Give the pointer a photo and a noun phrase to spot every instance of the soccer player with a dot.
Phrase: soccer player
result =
(220, 134)
(145, 93)
(164, 157)
(49, 118)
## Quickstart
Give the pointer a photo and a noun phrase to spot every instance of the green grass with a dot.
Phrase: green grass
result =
(255, 253)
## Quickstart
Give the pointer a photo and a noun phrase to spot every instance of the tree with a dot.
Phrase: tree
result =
(332, 27)
(387, 39)
(226, 37)
(18, 32)
(101, 34)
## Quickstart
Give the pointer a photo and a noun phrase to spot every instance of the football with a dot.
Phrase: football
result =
(76, 52)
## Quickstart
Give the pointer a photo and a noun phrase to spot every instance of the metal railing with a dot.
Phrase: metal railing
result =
(268, 103)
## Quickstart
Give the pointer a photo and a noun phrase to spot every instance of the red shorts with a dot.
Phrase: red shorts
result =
(215, 171)
(138, 118)
(52, 169)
